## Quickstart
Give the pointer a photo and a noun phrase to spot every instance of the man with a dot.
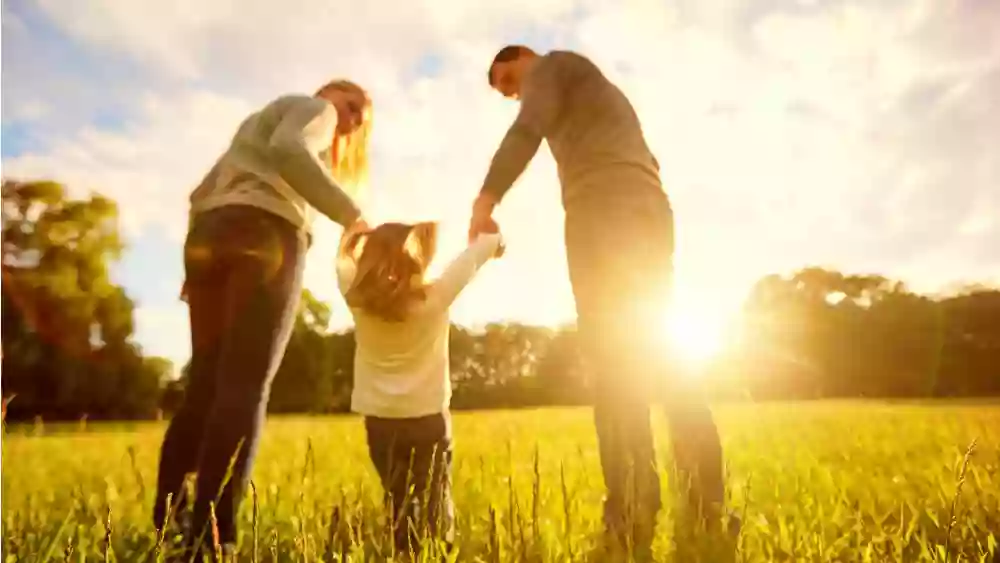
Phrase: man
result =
(619, 246)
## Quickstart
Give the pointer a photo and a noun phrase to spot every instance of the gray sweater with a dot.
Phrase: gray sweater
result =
(278, 161)
(592, 130)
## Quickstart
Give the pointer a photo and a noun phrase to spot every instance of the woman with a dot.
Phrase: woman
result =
(244, 254)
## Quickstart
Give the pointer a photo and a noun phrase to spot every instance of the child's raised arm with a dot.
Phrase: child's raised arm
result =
(443, 292)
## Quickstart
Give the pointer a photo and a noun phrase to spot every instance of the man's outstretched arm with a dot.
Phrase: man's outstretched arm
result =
(539, 108)
(516, 150)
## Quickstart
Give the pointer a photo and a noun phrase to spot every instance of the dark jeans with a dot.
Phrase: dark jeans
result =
(244, 280)
(413, 460)
(620, 257)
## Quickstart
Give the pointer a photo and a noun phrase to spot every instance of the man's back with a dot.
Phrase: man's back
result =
(595, 136)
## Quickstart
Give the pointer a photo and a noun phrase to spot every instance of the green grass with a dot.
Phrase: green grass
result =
(812, 481)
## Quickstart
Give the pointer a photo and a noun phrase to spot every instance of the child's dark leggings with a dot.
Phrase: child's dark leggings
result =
(413, 460)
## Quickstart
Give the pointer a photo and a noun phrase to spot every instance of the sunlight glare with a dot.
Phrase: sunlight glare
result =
(693, 334)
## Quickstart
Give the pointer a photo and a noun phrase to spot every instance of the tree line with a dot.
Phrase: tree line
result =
(69, 350)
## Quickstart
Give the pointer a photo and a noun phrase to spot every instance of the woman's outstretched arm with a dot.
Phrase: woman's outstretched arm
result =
(305, 130)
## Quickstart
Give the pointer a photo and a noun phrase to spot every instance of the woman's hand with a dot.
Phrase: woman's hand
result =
(350, 238)
(358, 226)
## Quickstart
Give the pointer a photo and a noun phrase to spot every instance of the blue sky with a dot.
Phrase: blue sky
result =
(855, 135)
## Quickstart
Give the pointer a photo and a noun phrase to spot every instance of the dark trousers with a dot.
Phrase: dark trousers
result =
(413, 460)
(244, 280)
(620, 257)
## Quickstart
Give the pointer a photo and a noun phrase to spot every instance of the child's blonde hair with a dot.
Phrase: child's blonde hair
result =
(349, 153)
(390, 264)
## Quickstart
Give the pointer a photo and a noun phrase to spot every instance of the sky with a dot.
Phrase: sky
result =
(854, 135)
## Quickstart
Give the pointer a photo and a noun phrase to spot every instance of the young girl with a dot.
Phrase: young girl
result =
(401, 376)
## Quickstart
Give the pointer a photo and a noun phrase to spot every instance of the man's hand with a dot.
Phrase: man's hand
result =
(482, 217)
(483, 222)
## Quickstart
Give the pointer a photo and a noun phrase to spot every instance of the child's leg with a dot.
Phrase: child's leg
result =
(383, 436)
(413, 457)
(432, 512)
(389, 449)
(440, 507)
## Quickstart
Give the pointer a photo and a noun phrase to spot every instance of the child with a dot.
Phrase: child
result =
(401, 375)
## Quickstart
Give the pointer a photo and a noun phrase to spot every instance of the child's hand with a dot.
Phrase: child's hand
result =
(492, 228)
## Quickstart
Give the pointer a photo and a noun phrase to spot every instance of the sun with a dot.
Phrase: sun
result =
(694, 335)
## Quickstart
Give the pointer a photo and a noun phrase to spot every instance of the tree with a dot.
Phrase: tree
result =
(819, 333)
(66, 325)
(305, 382)
(560, 370)
(971, 344)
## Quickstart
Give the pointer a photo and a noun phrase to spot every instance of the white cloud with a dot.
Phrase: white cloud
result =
(852, 135)
(32, 110)
(150, 165)
(294, 44)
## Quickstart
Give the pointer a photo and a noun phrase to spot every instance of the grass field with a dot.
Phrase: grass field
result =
(812, 482)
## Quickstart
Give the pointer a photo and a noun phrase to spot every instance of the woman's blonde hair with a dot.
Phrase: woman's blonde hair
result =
(349, 153)
(390, 264)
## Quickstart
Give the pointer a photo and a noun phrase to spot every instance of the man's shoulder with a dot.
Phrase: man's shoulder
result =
(576, 64)
(565, 53)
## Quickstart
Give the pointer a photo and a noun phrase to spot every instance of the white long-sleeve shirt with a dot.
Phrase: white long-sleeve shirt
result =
(278, 161)
(401, 368)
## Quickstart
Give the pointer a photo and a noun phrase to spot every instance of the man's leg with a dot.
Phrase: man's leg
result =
(262, 293)
(598, 246)
(696, 445)
(697, 450)
(624, 433)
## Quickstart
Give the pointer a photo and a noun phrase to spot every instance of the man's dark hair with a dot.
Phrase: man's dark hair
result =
(506, 55)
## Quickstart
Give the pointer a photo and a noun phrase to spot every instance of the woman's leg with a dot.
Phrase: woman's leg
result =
(182, 441)
(263, 283)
